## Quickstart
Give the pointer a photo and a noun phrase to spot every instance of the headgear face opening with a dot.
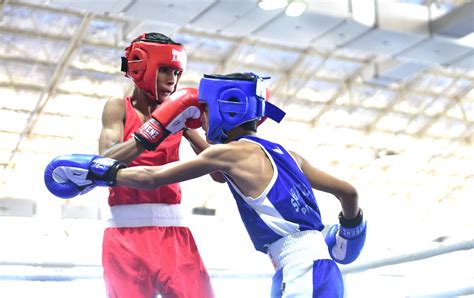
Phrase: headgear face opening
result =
(232, 100)
(146, 54)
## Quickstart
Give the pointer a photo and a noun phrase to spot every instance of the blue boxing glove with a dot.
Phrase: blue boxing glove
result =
(345, 241)
(67, 176)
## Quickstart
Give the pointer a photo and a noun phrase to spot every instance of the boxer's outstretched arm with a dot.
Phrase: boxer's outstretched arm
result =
(149, 177)
(198, 144)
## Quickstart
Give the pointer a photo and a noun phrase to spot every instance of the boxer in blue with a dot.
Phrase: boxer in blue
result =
(273, 187)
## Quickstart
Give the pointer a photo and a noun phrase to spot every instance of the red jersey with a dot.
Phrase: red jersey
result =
(167, 151)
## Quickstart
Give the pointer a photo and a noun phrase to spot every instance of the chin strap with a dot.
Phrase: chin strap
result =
(273, 112)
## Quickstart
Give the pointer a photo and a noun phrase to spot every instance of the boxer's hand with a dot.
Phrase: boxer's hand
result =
(345, 241)
(67, 176)
(180, 110)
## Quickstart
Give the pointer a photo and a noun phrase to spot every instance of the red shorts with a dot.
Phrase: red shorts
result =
(141, 262)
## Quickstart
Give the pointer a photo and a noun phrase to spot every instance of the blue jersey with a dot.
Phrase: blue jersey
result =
(287, 204)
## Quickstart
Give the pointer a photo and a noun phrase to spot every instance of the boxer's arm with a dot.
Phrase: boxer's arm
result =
(215, 158)
(345, 192)
(181, 110)
(111, 143)
(198, 144)
(345, 240)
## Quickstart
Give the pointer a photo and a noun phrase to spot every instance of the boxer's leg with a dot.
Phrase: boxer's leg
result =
(327, 279)
(181, 272)
(321, 279)
(140, 262)
(126, 266)
(277, 284)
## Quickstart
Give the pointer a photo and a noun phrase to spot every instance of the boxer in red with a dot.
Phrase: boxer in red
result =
(146, 249)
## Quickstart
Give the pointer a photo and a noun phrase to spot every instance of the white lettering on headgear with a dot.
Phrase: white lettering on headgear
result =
(178, 56)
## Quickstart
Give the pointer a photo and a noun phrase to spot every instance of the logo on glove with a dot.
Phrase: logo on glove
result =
(153, 133)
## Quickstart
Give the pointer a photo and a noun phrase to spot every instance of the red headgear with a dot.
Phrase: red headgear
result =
(146, 54)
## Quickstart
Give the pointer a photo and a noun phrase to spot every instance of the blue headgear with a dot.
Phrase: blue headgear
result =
(234, 99)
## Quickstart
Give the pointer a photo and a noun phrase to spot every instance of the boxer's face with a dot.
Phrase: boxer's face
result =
(166, 80)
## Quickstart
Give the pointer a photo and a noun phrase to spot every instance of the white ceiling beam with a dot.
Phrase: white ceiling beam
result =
(225, 65)
(2, 6)
(300, 78)
(346, 87)
(437, 71)
(453, 102)
(49, 88)
(239, 43)
(456, 23)
(54, 37)
(64, 10)
(396, 99)
(30, 61)
(39, 88)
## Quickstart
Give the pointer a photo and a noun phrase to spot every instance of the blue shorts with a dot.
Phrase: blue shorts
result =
(320, 279)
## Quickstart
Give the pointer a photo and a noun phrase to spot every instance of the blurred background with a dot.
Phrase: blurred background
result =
(377, 92)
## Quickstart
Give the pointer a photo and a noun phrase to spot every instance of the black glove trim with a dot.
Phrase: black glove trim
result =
(147, 144)
(111, 176)
(351, 223)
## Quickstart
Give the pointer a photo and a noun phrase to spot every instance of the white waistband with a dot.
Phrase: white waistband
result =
(145, 215)
(298, 247)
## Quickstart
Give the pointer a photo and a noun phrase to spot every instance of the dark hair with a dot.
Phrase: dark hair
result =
(156, 37)
(241, 76)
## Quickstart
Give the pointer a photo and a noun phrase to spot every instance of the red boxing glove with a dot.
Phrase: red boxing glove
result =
(180, 110)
